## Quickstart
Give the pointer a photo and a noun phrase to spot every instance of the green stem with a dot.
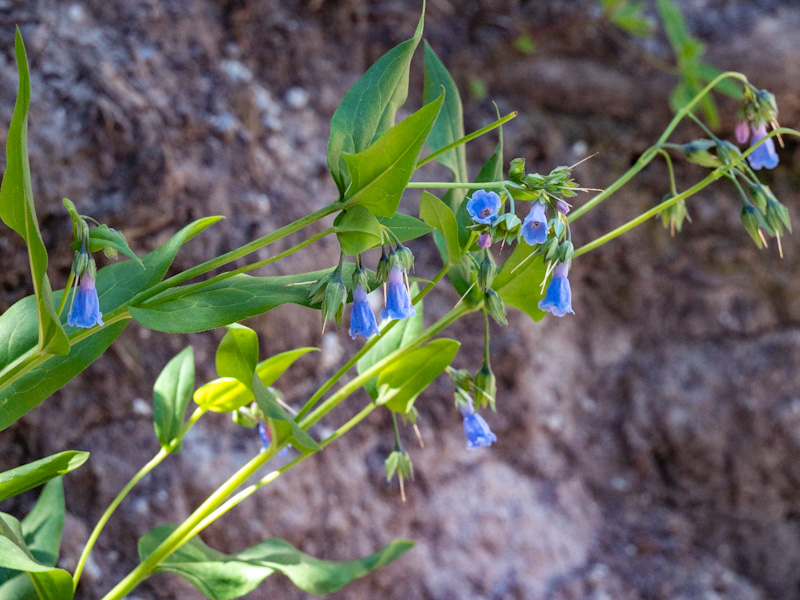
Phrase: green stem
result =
(365, 348)
(648, 155)
(65, 294)
(397, 443)
(154, 462)
(486, 336)
(186, 290)
(456, 185)
(668, 159)
(466, 138)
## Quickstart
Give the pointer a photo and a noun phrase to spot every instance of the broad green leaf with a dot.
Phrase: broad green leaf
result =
(103, 236)
(358, 230)
(41, 531)
(405, 227)
(381, 172)
(287, 428)
(18, 587)
(449, 125)
(402, 333)
(369, 107)
(18, 211)
(404, 379)
(228, 576)
(117, 284)
(50, 583)
(438, 215)
(34, 474)
(227, 394)
(171, 394)
(521, 286)
(237, 354)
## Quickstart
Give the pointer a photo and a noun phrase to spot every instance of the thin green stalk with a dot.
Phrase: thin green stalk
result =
(398, 445)
(365, 348)
(233, 255)
(668, 159)
(175, 293)
(486, 335)
(67, 290)
(456, 185)
(648, 155)
(152, 464)
(466, 138)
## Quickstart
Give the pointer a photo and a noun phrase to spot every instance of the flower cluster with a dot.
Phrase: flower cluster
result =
(758, 110)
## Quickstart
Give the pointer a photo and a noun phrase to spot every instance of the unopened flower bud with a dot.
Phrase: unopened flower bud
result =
(742, 132)
(405, 258)
(485, 240)
(486, 272)
(496, 307)
(751, 222)
(382, 270)
(563, 207)
(485, 386)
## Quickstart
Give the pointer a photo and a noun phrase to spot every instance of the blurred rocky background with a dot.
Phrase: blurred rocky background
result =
(647, 445)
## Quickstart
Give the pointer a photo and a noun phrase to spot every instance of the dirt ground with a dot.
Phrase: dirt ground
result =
(646, 445)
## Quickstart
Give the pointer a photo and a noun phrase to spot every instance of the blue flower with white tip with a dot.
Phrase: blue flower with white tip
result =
(558, 297)
(85, 312)
(476, 428)
(398, 302)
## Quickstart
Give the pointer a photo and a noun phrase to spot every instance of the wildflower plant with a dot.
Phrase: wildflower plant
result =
(492, 257)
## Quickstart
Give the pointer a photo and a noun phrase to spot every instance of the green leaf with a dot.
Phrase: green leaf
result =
(227, 394)
(287, 428)
(117, 284)
(103, 236)
(41, 530)
(674, 26)
(438, 215)
(34, 474)
(50, 583)
(402, 333)
(18, 211)
(18, 587)
(225, 577)
(381, 172)
(405, 227)
(171, 394)
(449, 125)
(369, 107)
(358, 230)
(404, 379)
(237, 354)
(520, 286)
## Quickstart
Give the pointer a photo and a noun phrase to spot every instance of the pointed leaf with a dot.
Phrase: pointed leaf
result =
(381, 172)
(103, 236)
(227, 394)
(438, 215)
(358, 230)
(405, 227)
(171, 394)
(237, 354)
(369, 107)
(17, 210)
(404, 379)
(520, 286)
(226, 577)
(34, 474)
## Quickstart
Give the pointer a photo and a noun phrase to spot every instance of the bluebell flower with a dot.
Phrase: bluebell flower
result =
(476, 428)
(483, 207)
(534, 227)
(85, 311)
(398, 303)
(765, 155)
(558, 297)
(362, 320)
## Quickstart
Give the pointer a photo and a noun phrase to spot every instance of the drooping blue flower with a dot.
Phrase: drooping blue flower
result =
(85, 311)
(558, 297)
(362, 319)
(764, 156)
(534, 227)
(476, 428)
(398, 303)
(483, 207)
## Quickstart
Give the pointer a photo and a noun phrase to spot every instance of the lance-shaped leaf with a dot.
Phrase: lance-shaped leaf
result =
(19, 212)
(172, 392)
(449, 126)
(49, 583)
(103, 236)
(405, 227)
(117, 284)
(228, 576)
(381, 172)
(286, 427)
(369, 107)
(404, 379)
(438, 215)
(519, 281)
(34, 474)
(228, 394)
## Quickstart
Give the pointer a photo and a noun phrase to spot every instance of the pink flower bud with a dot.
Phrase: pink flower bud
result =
(484, 241)
(742, 132)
